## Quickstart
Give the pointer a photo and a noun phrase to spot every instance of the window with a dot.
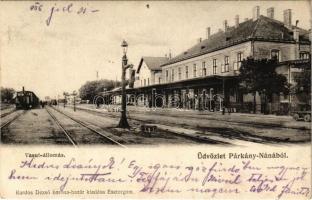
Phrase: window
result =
(214, 66)
(186, 71)
(204, 69)
(141, 83)
(226, 64)
(167, 76)
(304, 55)
(179, 72)
(172, 74)
(147, 81)
(194, 70)
(159, 80)
(238, 64)
(275, 55)
(144, 82)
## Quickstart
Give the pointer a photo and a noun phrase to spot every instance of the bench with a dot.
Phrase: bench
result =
(147, 130)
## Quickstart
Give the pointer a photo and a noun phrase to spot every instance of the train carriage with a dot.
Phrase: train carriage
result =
(26, 100)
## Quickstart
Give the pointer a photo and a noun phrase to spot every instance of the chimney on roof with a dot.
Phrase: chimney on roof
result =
(296, 34)
(297, 22)
(225, 25)
(255, 13)
(199, 40)
(208, 32)
(236, 21)
(169, 56)
(287, 18)
(270, 12)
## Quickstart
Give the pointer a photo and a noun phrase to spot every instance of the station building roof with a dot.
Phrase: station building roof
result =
(153, 63)
(262, 29)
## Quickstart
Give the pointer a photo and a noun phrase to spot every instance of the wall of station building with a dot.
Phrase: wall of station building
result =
(157, 77)
(231, 52)
(192, 97)
(147, 77)
(144, 77)
(177, 71)
(287, 51)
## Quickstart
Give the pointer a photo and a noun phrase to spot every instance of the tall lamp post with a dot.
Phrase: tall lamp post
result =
(104, 99)
(65, 98)
(74, 94)
(58, 100)
(123, 123)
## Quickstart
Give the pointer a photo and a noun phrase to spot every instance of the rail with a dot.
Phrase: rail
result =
(8, 113)
(72, 141)
(90, 128)
(5, 124)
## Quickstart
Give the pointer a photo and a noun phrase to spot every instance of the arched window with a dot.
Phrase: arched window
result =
(214, 66)
(179, 73)
(186, 72)
(238, 62)
(167, 76)
(226, 64)
(194, 70)
(204, 72)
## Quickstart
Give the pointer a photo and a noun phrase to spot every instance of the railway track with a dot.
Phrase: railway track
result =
(5, 124)
(201, 139)
(8, 113)
(67, 134)
(3, 107)
(102, 133)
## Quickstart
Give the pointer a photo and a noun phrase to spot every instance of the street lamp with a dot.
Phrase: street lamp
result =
(74, 94)
(104, 94)
(124, 46)
(123, 123)
(65, 100)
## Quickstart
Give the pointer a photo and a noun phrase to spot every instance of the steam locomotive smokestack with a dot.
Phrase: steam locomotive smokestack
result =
(23, 90)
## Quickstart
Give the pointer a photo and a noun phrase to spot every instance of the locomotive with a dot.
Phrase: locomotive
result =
(26, 100)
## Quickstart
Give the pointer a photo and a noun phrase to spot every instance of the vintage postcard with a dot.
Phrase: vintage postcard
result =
(155, 99)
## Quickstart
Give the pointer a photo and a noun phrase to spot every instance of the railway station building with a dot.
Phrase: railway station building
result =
(205, 76)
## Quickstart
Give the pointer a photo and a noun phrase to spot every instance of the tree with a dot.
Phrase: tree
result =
(260, 76)
(92, 88)
(302, 86)
(7, 94)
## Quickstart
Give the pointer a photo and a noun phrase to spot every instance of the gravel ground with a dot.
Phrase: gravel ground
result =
(38, 127)
(246, 127)
(33, 127)
(80, 134)
(6, 109)
(8, 117)
(127, 137)
(4, 106)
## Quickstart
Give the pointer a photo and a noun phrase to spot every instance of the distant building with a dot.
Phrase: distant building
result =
(149, 71)
(70, 99)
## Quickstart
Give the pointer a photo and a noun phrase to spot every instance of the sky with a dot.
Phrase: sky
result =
(61, 56)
